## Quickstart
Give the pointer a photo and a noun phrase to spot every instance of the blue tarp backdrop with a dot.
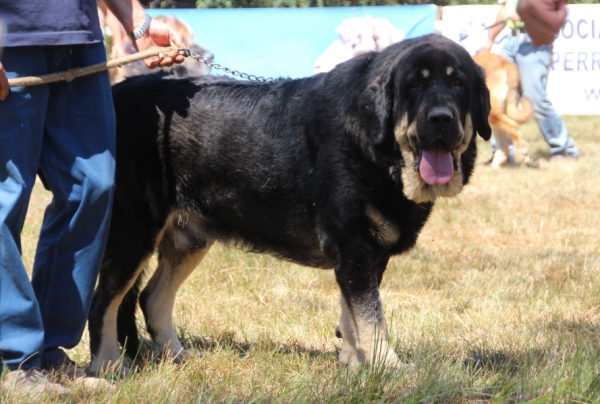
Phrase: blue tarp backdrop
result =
(285, 42)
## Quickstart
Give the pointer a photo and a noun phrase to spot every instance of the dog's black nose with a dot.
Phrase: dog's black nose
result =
(440, 116)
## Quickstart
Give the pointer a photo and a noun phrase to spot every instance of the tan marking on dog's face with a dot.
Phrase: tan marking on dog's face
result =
(467, 133)
(449, 70)
(406, 134)
(386, 233)
(414, 187)
(425, 73)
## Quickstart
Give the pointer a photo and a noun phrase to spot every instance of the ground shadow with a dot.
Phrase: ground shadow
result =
(228, 341)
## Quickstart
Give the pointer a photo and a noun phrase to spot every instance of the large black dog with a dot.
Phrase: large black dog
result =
(339, 170)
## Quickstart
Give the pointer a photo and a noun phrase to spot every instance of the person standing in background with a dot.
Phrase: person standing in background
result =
(66, 130)
(530, 48)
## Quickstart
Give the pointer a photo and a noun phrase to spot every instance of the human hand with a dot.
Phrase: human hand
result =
(160, 34)
(4, 87)
(117, 50)
(542, 18)
(487, 47)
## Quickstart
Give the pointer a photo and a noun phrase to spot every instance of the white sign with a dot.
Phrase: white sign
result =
(574, 81)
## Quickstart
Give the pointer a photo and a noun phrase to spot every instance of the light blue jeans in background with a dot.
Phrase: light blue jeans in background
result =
(67, 131)
(534, 64)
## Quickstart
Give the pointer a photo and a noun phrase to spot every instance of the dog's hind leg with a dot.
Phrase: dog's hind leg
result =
(179, 255)
(116, 279)
(127, 332)
(131, 242)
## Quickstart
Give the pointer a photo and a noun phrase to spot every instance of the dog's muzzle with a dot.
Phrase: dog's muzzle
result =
(436, 162)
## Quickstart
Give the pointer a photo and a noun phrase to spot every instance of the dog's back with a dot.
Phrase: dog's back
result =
(255, 131)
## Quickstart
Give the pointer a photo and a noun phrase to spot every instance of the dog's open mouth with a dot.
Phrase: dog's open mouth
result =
(436, 165)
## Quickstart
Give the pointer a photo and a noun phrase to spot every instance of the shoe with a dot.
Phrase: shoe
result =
(70, 372)
(564, 156)
(32, 383)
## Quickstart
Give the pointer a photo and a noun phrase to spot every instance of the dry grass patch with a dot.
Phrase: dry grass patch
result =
(499, 301)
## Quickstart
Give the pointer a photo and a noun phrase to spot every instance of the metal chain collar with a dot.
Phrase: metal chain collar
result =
(188, 53)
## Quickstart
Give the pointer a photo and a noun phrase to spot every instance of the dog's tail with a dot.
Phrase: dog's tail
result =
(518, 108)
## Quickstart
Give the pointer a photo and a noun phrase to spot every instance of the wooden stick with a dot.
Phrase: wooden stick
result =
(84, 71)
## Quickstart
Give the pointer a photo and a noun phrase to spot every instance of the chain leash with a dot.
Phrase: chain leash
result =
(188, 53)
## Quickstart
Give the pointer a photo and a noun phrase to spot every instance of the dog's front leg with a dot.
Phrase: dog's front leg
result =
(362, 323)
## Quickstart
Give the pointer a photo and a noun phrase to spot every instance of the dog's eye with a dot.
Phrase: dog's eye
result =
(457, 83)
(415, 83)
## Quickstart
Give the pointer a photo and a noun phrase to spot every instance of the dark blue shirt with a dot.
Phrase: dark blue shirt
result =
(50, 22)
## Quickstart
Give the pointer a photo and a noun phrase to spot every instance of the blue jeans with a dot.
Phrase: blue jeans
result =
(66, 130)
(534, 64)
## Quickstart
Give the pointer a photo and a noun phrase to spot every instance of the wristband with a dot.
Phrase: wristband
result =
(141, 30)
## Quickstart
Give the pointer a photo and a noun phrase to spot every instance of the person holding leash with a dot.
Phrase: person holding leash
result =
(533, 24)
(66, 132)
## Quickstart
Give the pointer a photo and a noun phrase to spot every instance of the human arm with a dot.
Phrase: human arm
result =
(496, 28)
(4, 87)
(117, 34)
(131, 14)
(542, 18)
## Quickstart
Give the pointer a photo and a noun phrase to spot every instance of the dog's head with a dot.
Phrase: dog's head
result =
(427, 97)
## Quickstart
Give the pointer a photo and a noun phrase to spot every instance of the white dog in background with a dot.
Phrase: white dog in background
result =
(358, 35)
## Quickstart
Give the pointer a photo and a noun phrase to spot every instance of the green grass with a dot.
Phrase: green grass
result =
(498, 302)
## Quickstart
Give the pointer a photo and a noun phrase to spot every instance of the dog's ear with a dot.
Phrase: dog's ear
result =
(480, 105)
(375, 108)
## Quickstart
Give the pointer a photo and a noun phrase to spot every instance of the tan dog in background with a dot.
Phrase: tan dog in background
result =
(509, 109)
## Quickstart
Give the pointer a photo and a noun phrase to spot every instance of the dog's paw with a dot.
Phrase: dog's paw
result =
(388, 359)
(180, 356)
(522, 156)
(349, 356)
(500, 159)
(353, 358)
(118, 368)
(161, 352)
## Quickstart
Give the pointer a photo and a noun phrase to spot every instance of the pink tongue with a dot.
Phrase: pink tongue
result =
(436, 166)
